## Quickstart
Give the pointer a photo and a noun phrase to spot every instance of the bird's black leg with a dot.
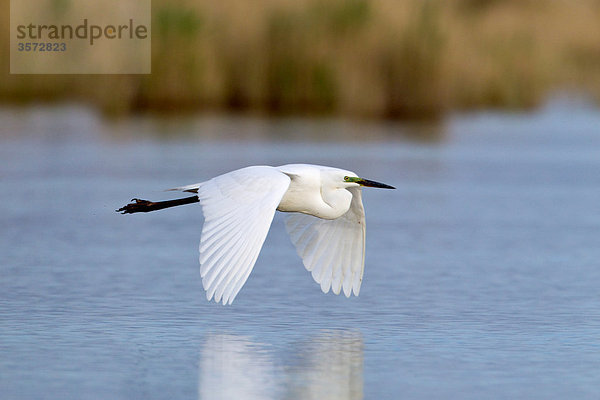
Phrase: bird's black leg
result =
(147, 206)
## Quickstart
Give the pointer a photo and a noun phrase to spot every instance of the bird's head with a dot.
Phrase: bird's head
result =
(351, 180)
(335, 178)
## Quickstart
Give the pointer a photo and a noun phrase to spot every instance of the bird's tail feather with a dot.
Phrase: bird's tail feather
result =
(193, 188)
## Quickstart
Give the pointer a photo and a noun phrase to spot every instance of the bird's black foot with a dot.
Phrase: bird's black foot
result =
(137, 206)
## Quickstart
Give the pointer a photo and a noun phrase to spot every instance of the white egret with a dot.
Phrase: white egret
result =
(326, 224)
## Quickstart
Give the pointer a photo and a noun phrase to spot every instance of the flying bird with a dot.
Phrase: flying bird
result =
(326, 223)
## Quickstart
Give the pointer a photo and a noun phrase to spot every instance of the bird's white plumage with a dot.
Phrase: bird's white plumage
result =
(326, 224)
(238, 209)
(332, 250)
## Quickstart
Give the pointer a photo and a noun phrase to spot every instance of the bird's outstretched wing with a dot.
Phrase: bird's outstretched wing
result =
(238, 210)
(332, 250)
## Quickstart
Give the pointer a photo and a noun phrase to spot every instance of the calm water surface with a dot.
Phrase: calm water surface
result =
(482, 270)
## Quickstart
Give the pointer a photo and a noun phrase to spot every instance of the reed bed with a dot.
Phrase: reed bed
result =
(362, 58)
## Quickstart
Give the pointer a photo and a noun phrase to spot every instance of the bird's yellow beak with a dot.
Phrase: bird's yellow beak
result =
(367, 182)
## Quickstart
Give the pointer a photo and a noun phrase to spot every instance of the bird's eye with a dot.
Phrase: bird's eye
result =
(346, 178)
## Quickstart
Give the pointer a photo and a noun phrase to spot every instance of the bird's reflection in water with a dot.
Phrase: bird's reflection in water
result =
(328, 366)
(234, 367)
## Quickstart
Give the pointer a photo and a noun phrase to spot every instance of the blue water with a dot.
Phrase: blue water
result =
(482, 275)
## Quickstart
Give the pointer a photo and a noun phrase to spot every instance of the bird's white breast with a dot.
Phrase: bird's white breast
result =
(308, 194)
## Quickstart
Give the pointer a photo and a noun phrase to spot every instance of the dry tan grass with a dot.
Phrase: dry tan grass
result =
(374, 58)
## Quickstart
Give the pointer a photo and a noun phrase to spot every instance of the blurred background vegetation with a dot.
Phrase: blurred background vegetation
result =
(412, 59)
